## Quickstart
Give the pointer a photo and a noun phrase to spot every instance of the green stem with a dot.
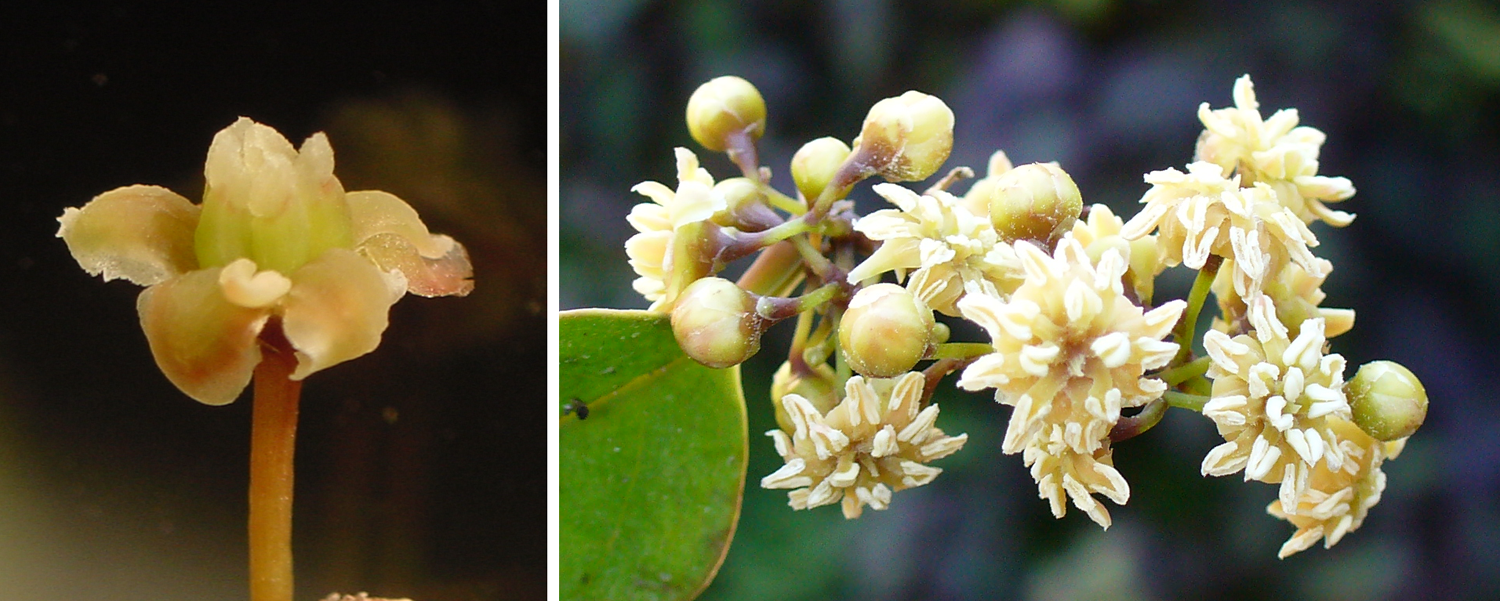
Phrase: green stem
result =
(1136, 425)
(961, 350)
(819, 264)
(782, 201)
(776, 234)
(799, 344)
(273, 437)
(771, 270)
(1188, 327)
(1184, 372)
(1183, 400)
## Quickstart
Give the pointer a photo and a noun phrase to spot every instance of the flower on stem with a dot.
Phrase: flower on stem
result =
(275, 238)
(1100, 232)
(885, 331)
(665, 224)
(942, 241)
(1337, 500)
(977, 199)
(1202, 213)
(878, 440)
(905, 138)
(1273, 151)
(1275, 400)
(1294, 292)
(1071, 350)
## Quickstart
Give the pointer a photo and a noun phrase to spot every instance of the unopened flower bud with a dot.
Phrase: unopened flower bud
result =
(815, 165)
(715, 323)
(725, 107)
(819, 387)
(907, 138)
(744, 206)
(885, 331)
(1036, 202)
(1388, 401)
(977, 199)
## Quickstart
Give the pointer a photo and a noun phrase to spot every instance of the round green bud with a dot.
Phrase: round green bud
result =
(907, 138)
(815, 165)
(886, 331)
(744, 206)
(819, 387)
(715, 323)
(1388, 401)
(725, 107)
(1037, 202)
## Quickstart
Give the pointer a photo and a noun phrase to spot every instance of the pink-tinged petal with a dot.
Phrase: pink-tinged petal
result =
(143, 234)
(336, 310)
(389, 232)
(203, 343)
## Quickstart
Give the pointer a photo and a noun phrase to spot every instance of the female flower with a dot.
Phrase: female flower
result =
(942, 241)
(1275, 401)
(874, 442)
(276, 241)
(659, 223)
(1274, 151)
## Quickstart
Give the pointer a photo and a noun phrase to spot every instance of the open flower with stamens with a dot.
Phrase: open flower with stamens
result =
(1070, 347)
(1273, 151)
(1070, 351)
(276, 243)
(658, 222)
(1062, 472)
(1202, 213)
(1337, 500)
(1274, 401)
(941, 240)
(876, 441)
(1100, 231)
(1296, 295)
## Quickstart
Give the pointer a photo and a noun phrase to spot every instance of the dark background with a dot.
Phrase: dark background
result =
(421, 471)
(1409, 95)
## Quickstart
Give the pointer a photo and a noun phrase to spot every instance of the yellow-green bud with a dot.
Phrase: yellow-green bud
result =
(744, 206)
(1388, 401)
(725, 107)
(815, 164)
(819, 387)
(1036, 202)
(885, 332)
(907, 138)
(715, 323)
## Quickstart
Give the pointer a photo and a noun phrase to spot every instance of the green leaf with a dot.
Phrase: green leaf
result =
(652, 478)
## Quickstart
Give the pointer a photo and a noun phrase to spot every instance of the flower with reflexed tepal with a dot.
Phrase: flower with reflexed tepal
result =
(277, 248)
(1071, 350)
(878, 440)
(664, 225)
(1275, 400)
(1274, 151)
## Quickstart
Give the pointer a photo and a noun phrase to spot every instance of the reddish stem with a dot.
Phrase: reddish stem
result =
(273, 437)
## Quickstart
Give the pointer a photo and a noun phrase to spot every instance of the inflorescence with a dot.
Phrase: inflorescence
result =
(1064, 293)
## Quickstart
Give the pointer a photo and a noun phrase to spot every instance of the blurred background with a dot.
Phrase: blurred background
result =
(1409, 95)
(420, 471)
